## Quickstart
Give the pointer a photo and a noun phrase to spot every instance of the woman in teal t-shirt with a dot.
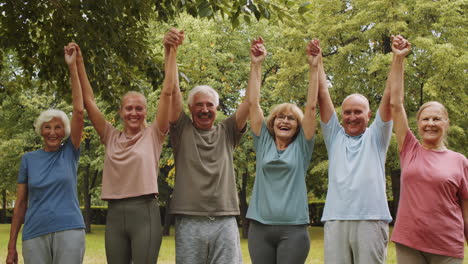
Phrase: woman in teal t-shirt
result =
(278, 209)
(47, 200)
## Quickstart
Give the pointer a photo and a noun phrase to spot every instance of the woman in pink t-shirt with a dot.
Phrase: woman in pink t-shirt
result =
(131, 165)
(432, 220)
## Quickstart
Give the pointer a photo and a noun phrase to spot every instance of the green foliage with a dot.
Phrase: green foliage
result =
(122, 47)
(112, 34)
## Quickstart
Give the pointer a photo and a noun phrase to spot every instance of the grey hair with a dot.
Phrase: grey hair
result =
(203, 89)
(48, 115)
(359, 96)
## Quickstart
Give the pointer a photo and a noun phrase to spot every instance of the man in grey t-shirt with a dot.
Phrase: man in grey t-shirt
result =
(205, 197)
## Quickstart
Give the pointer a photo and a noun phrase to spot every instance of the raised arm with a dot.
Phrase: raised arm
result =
(395, 83)
(172, 40)
(19, 213)
(257, 56)
(324, 99)
(314, 54)
(76, 130)
(170, 101)
(94, 114)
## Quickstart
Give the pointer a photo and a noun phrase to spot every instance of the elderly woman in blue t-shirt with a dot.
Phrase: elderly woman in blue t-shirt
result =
(47, 201)
(284, 143)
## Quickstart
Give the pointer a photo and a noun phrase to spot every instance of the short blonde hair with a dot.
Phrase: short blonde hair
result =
(281, 108)
(48, 115)
(133, 93)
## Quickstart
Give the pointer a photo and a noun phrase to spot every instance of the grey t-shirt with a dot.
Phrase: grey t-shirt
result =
(205, 181)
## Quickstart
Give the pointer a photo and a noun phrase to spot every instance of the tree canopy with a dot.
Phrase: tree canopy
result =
(122, 47)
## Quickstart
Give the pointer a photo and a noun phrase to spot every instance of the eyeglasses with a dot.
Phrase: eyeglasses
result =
(286, 117)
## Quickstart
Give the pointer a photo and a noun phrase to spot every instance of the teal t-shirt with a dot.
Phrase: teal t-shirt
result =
(279, 194)
(52, 195)
(356, 172)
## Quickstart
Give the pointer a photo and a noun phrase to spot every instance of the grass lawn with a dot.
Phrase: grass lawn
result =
(95, 253)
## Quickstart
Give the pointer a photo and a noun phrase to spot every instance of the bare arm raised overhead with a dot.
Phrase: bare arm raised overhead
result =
(172, 40)
(94, 114)
(170, 102)
(76, 125)
(257, 56)
(395, 75)
(314, 55)
(400, 48)
(324, 99)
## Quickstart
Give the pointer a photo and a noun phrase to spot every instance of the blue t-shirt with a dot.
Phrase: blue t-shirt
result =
(279, 194)
(52, 195)
(356, 172)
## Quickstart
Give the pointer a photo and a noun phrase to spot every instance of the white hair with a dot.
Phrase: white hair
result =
(48, 115)
(358, 95)
(203, 89)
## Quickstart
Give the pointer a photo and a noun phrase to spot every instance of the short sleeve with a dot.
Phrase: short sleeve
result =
(68, 145)
(330, 129)
(23, 171)
(384, 131)
(232, 131)
(176, 129)
(261, 139)
(307, 146)
(464, 181)
(108, 130)
(157, 132)
(409, 146)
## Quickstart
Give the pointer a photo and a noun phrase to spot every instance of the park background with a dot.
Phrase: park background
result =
(121, 42)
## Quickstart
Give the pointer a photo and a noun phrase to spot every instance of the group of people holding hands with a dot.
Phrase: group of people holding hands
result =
(432, 219)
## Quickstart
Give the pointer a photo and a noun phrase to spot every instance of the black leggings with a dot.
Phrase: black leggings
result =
(278, 244)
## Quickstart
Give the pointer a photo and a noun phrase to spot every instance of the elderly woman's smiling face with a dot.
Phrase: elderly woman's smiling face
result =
(53, 133)
(285, 125)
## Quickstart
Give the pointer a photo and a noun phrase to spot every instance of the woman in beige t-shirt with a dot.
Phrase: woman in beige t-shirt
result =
(129, 184)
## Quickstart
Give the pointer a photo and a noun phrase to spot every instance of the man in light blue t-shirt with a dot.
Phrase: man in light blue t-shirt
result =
(356, 213)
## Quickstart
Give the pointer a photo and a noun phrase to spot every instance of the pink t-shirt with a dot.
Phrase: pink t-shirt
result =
(432, 186)
(131, 165)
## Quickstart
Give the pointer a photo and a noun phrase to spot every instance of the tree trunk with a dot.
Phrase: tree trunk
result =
(395, 174)
(3, 213)
(168, 218)
(244, 206)
(87, 196)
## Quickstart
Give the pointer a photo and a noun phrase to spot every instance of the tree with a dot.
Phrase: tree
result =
(112, 34)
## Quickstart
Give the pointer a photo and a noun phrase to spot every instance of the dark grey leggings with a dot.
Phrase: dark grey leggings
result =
(133, 230)
(278, 244)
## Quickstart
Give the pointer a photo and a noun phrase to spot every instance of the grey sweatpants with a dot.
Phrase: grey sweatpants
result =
(55, 248)
(355, 241)
(278, 244)
(207, 240)
(133, 230)
(407, 255)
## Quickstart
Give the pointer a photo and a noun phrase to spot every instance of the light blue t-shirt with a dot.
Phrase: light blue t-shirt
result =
(279, 194)
(356, 172)
(52, 195)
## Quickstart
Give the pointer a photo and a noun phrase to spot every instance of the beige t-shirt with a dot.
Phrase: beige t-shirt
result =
(205, 182)
(131, 164)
